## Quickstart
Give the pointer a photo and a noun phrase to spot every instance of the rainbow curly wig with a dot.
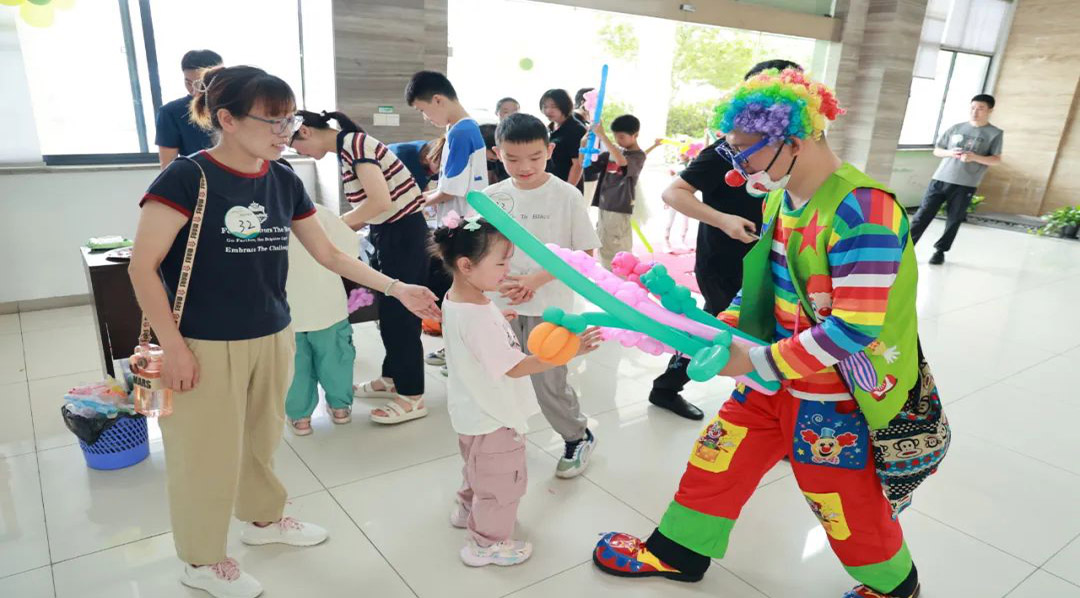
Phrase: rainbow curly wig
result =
(778, 105)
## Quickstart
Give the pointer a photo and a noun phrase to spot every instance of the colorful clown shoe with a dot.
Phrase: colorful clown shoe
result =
(627, 556)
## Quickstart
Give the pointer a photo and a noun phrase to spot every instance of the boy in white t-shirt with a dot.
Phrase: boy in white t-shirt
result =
(488, 397)
(464, 159)
(554, 212)
(320, 319)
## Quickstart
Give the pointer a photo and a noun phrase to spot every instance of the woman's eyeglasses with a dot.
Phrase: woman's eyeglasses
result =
(282, 126)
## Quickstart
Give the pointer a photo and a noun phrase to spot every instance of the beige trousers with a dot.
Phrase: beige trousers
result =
(220, 441)
(614, 231)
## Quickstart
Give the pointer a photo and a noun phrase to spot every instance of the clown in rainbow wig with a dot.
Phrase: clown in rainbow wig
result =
(832, 284)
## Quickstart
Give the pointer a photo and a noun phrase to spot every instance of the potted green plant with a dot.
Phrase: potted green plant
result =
(1065, 222)
(974, 205)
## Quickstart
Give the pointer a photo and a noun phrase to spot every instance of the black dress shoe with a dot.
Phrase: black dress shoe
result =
(938, 258)
(673, 402)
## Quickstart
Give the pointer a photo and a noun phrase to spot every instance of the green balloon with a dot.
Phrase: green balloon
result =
(722, 338)
(526, 64)
(708, 362)
(39, 2)
(657, 280)
(575, 323)
(554, 315)
(580, 284)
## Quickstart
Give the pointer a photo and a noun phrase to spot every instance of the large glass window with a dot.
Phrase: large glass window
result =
(77, 72)
(938, 103)
(93, 86)
(270, 39)
(668, 74)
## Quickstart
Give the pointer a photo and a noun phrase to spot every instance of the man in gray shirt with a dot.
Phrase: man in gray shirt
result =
(968, 150)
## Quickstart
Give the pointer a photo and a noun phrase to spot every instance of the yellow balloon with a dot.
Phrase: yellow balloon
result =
(11, 2)
(64, 4)
(36, 16)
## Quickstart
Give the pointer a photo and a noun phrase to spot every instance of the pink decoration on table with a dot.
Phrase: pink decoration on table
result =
(360, 297)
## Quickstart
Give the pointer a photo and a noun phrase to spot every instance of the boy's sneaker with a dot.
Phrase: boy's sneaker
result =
(223, 580)
(287, 531)
(503, 554)
(576, 457)
(436, 357)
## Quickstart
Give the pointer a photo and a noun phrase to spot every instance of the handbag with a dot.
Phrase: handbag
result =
(911, 447)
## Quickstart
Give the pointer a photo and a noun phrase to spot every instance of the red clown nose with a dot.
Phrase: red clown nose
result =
(734, 179)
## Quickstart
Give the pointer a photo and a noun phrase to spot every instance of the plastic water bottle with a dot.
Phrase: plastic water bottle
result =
(152, 399)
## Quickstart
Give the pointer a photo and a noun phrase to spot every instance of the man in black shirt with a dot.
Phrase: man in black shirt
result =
(730, 219)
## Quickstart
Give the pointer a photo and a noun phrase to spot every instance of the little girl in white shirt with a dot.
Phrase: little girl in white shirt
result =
(489, 394)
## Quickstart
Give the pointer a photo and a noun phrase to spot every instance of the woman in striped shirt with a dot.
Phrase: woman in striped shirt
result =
(384, 195)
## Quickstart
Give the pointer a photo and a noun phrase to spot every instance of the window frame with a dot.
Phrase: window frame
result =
(945, 94)
(144, 155)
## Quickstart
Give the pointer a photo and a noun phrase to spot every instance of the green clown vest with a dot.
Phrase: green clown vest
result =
(900, 330)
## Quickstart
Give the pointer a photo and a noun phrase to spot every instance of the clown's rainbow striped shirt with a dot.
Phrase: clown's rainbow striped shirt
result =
(869, 233)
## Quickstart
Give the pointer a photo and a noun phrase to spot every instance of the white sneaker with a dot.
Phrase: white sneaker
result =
(287, 531)
(503, 554)
(223, 580)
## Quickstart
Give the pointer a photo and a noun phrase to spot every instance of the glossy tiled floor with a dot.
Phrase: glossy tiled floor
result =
(998, 324)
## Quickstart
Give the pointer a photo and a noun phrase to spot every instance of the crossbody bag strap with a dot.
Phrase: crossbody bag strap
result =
(189, 258)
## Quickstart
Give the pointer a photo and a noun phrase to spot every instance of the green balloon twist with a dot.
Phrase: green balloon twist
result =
(709, 356)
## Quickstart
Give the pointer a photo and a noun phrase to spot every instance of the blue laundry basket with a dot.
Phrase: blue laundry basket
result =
(122, 444)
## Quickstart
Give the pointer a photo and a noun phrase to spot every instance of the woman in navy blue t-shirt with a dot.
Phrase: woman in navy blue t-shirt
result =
(231, 356)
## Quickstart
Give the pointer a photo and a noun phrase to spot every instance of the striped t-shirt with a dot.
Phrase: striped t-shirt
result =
(864, 248)
(358, 148)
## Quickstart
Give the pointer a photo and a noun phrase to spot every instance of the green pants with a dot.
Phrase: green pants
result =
(322, 357)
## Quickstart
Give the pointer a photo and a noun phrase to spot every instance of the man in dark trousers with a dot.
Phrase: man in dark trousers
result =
(730, 219)
(967, 150)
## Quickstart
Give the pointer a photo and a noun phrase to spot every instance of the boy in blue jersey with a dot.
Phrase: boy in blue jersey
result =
(464, 159)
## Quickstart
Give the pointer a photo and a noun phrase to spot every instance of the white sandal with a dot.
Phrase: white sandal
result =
(340, 420)
(396, 414)
(367, 390)
(298, 431)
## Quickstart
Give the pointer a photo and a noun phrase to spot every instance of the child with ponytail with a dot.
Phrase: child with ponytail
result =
(489, 394)
(384, 195)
